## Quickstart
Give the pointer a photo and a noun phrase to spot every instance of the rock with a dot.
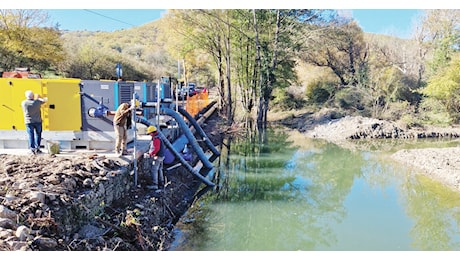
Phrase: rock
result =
(37, 196)
(22, 233)
(90, 231)
(5, 233)
(45, 243)
(88, 183)
(51, 197)
(54, 179)
(18, 245)
(7, 213)
(7, 223)
(10, 197)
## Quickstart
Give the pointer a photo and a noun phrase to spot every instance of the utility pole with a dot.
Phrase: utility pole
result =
(133, 119)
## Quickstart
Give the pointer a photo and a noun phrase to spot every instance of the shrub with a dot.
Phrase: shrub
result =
(349, 98)
(319, 92)
(287, 99)
(433, 112)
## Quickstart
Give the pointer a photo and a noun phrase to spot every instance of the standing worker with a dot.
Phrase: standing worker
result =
(31, 107)
(121, 123)
(156, 151)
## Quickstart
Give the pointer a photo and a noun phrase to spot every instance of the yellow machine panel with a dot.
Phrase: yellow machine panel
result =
(62, 112)
(12, 93)
(6, 109)
(63, 109)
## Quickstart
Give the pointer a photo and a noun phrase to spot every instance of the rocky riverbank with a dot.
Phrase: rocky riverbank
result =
(440, 164)
(35, 188)
(45, 197)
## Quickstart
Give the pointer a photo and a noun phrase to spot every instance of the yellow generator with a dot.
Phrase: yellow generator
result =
(61, 114)
(66, 115)
(76, 112)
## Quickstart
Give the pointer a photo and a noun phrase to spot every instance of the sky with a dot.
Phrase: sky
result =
(383, 21)
(386, 17)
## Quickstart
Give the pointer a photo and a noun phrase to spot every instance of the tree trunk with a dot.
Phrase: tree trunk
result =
(229, 111)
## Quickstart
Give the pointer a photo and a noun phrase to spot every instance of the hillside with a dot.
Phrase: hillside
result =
(141, 51)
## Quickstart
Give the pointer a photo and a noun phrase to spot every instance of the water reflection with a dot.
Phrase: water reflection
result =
(290, 193)
(436, 213)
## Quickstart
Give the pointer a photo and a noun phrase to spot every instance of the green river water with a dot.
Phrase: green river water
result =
(284, 192)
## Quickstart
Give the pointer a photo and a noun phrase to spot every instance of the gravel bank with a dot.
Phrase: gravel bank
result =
(440, 164)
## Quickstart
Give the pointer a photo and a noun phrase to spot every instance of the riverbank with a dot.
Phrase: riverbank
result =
(440, 164)
(38, 192)
(143, 220)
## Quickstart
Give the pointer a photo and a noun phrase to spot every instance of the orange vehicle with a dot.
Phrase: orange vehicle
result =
(21, 73)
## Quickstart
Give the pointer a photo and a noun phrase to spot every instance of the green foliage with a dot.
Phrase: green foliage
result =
(445, 88)
(433, 112)
(93, 55)
(318, 92)
(286, 100)
(396, 110)
(446, 83)
(25, 42)
(394, 85)
(349, 98)
(441, 31)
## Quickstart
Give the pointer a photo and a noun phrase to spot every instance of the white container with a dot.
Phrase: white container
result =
(54, 147)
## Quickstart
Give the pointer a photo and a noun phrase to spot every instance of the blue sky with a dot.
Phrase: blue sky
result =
(385, 21)
(102, 19)
(396, 22)
(392, 17)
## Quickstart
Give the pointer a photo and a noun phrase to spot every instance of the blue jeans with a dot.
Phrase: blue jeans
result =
(34, 131)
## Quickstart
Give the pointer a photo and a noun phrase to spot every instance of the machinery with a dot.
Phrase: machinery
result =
(79, 115)
(70, 115)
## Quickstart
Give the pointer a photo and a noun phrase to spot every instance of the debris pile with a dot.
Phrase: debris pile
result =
(86, 202)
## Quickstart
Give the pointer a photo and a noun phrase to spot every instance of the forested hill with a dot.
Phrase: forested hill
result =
(141, 50)
(145, 48)
(261, 59)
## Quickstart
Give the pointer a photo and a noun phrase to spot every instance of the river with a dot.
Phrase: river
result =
(285, 192)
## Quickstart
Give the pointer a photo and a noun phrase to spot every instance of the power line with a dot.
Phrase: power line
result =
(108, 17)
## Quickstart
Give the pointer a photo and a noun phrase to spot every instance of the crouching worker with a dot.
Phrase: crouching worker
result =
(156, 153)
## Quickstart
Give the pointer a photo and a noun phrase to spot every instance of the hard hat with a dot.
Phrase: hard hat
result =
(151, 129)
(136, 103)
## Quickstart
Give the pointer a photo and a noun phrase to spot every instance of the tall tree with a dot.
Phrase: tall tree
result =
(442, 30)
(441, 39)
(444, 87)
(280, 35)
(200, 29)
(340, 47)
(254, 50)
(25, 41)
